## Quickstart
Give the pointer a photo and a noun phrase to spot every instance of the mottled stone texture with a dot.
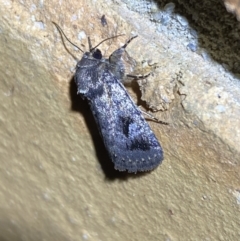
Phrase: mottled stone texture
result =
(57, 182)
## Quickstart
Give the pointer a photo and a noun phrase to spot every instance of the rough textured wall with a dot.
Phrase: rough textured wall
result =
(57, 182)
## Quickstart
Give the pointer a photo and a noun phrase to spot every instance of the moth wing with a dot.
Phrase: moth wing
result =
(127, 136)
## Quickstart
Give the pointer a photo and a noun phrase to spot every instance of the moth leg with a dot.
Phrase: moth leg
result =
(142, 76)
(153, 117)
(137, 77)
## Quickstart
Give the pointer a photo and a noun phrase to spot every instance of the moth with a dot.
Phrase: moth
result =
(128, 138)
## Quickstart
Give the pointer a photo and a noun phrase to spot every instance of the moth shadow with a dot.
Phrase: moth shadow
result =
(139, 102)
(136, 90)
(82, 106)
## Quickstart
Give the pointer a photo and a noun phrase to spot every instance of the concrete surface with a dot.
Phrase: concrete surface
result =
(57, 182)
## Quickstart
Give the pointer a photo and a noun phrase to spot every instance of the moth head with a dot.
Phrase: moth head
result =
(97, 54)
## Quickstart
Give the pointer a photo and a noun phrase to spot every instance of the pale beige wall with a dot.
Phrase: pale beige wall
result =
(56, 182)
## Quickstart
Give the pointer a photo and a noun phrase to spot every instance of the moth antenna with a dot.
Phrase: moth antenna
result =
(90, 45)
(61, 31)
(92, 49)
(130, 40)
